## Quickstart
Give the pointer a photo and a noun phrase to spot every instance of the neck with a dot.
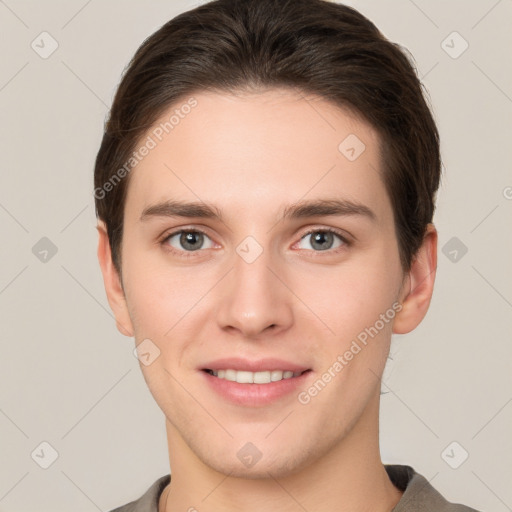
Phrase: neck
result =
(349, 477)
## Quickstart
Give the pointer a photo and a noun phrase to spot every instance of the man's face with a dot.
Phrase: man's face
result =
(255, 286)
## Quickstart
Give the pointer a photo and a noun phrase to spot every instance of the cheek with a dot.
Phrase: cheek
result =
(165, 299)
(157, 301)
(348, 298)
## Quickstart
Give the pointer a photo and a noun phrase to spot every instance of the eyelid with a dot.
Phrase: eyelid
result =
(176, 231)
(346, 237)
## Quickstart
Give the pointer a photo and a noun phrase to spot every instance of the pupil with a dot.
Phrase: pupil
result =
(189, 240)
(321, 238)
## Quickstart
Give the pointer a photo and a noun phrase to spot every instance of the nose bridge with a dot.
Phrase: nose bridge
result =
(253, 298)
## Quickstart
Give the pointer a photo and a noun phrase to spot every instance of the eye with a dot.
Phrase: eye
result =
(324, 239)
(187, 240)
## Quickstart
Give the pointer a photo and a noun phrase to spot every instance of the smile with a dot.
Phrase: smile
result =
(246, 377)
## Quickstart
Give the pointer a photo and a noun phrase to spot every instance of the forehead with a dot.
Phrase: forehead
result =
(258, 149)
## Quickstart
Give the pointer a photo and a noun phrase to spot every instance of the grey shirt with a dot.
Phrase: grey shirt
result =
(418, 494)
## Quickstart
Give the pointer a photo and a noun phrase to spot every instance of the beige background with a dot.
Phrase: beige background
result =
(68, 378)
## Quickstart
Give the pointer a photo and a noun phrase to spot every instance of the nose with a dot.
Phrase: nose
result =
(253, 298)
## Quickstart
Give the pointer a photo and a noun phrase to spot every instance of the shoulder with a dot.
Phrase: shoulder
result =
(148, 502)
(418, 493)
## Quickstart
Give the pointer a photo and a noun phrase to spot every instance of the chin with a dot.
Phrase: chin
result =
(276, 465)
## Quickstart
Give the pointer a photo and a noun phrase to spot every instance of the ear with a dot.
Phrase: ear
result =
(418, 285)
(112, 282)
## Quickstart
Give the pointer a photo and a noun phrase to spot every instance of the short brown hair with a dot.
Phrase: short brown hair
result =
(314, 46)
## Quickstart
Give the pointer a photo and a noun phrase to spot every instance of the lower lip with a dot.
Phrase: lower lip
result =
(254, 395)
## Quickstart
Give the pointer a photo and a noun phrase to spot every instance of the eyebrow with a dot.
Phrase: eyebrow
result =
(300, 210)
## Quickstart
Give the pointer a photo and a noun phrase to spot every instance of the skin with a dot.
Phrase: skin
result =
(251, 155)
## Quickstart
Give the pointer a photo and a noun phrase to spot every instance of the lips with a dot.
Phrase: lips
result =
(246, 383)
(261, 365)
(256, 394)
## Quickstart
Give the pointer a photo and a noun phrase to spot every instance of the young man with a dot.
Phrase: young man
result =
(265, 192)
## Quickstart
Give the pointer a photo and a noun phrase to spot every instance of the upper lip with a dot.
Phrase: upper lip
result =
(240, 364)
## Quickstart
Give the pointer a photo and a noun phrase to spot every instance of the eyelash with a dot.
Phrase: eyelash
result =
(191, 254)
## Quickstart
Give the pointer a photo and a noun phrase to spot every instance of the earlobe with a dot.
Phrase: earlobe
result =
(418, 286)
(112, 282)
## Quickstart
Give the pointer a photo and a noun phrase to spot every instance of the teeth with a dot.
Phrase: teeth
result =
(244, 377)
